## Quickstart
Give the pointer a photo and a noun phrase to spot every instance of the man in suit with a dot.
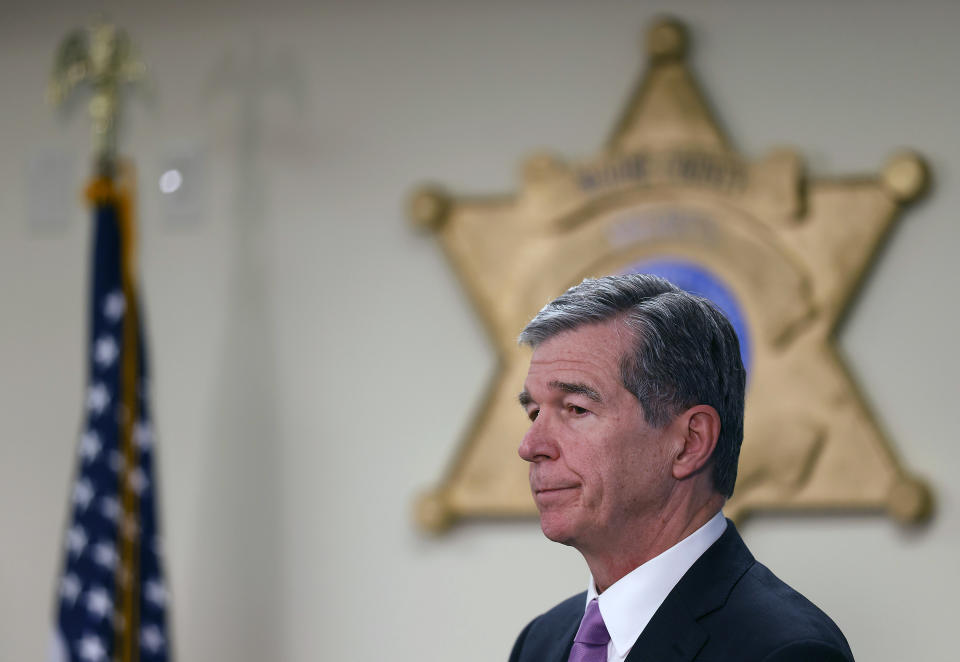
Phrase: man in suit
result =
(635, 395)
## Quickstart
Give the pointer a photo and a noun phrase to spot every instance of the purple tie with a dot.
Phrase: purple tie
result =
(590, 644)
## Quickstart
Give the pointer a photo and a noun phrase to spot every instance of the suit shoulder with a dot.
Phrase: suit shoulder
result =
(809, 651)
(779, 619)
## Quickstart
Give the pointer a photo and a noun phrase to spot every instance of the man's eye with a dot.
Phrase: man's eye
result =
(532, 414)
(574, 409)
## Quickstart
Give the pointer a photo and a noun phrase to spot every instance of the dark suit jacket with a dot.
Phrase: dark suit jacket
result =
(727, 608)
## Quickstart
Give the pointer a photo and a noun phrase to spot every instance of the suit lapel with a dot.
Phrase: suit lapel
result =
(560, 650)
(551, 636)
(674, 634)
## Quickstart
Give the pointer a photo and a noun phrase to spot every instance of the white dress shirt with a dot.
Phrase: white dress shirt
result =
(629, 604)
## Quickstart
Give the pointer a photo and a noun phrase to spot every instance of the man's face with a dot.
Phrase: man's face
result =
(598, 471)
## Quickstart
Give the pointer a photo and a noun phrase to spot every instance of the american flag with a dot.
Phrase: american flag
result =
(111, 598)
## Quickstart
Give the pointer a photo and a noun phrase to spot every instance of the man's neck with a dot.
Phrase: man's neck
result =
(645, 540)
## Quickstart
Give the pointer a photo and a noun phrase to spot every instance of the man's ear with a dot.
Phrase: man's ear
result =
(699, 428)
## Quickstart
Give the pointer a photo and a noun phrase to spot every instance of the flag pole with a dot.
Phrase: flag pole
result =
(111, 602)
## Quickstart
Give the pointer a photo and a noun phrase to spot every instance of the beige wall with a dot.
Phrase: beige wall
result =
(315, 361)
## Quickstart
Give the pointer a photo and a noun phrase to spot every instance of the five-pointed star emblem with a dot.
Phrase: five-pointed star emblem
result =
(668, 194)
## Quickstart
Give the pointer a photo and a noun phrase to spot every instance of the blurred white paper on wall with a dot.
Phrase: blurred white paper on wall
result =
(182, 184)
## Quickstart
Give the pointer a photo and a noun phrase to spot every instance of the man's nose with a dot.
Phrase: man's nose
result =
(538, 443)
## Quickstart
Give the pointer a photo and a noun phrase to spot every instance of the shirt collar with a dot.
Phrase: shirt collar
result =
(629, 604)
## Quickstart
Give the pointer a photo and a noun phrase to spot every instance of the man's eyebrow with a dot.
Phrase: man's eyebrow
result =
(524, 398)
(578, 388)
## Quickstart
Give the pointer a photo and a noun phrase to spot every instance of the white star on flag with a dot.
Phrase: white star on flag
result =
(82, 493)
(151, 638)
(70, 588)
(143, 435)
(90, 649)
(76, 539)
(105, 554)
(98, 398)
(155, 592)
(110, 508)
(113, 305)
(90, 445)
(99, 603)
(105, 351)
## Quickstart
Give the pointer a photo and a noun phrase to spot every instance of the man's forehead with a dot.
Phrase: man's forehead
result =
(552, 369)
(584, 361)
(594, 346)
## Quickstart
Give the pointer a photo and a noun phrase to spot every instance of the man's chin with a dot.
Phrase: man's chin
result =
(557, 531)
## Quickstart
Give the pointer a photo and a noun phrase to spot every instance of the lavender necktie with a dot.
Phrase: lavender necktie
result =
(590, 644)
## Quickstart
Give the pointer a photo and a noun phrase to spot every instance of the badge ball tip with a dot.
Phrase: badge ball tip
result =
(667, 38)
(433, 513)
(906, 176)
(428, 208)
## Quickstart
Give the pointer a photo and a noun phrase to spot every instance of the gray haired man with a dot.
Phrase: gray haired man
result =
(635, 397)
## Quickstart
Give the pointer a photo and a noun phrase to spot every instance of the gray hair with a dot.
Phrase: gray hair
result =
(685, 353)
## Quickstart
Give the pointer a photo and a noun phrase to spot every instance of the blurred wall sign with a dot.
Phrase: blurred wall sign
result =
(781, 253)
(181, 182)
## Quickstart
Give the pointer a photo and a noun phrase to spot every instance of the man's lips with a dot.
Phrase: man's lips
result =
(547, 494)
(556, 488)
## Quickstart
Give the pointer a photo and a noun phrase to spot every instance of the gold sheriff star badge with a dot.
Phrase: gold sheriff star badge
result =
(781, 253)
